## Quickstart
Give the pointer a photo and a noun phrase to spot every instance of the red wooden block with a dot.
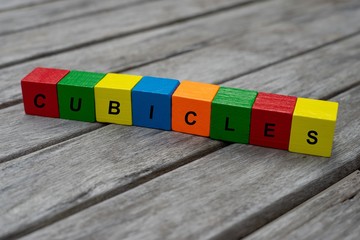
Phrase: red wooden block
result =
(271, 118)
(39, 91)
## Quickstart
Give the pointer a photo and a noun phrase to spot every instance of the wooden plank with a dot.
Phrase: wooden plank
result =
(339, 222)
(80, 32)
(22, 134)
(15, 4)
(90, 174)
(55, 11)
(332, 214)
(224, 195)
(284, 34)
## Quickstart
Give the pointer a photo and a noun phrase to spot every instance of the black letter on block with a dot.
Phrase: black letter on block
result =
(311, 135)
(151, 111)
(268, 129)
(36, 103)
(114, 105)
(72, 105)
(187, 118)
(227, 125)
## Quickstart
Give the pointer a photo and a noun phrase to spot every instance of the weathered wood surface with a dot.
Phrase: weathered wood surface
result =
(22, 134)
(17, 4)
(202, 64)
(304, 48)
(66, 179)
(55, 11)
(278, 24)
(332, 214)
(80, 32)
(224, 195)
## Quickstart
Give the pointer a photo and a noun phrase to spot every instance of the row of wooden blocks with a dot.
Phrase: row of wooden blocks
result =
(236, 115)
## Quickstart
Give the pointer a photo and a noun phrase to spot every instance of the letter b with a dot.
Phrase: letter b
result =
(114, 108)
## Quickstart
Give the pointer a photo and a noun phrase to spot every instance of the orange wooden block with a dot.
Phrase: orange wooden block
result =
(191, 107)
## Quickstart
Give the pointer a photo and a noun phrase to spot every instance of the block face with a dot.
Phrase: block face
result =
(151, 102)
(231, 113)
(191, 107)
(271, 120)
(39, 91)
(76, 95)
(313, 127)
(113, 98)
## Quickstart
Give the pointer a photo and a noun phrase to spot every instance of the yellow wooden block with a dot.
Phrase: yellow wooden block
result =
(113, 98)
(313, 127)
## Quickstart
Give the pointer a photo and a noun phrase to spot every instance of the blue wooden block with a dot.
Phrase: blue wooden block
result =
(151, 102)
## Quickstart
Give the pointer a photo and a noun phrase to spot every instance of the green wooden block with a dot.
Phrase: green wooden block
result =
(231, 114)
(76, 95)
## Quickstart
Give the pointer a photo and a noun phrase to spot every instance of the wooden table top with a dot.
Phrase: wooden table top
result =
(62, 179)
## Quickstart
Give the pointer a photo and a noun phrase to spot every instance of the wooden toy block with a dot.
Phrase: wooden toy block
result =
(231, 113)
(313, 127)
(113, 98)
(76, 95)
(191, 107)
(39, 91)
(151, 102)
(271, 119)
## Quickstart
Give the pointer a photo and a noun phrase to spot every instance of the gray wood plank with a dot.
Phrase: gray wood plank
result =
(15, 4)
(22, 134)
(281, 35)
(339, 222)
(47, 14)
(79, 32)
(80, 178)
(224, 195)
(332, 214)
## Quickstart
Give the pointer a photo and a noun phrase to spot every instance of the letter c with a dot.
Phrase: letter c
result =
(36, 102)
(187, 118)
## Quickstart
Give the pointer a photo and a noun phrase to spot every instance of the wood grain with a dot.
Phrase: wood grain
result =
(65, 186)
(216, 196)
(80, 32)
(332, 214)
(55, 11)
(22, 134)
(338, 222)
(224, 195)
(16, 4)
(283, 36)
